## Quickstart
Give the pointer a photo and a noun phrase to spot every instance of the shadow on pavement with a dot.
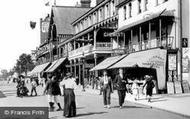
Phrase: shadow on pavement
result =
(78, 115)
(129, 106)
(159, 100)
(80, 107)
(2, 95)
(90, 113)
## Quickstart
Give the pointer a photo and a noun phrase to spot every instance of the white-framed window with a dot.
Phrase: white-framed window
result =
(130, 10)
(124, 13)
(146, 5)
(113, 7)
(139, 6)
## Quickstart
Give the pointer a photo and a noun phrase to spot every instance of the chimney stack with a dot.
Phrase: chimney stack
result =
(85, 3)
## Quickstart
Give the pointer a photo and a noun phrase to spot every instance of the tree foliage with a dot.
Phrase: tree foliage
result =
(24, 64)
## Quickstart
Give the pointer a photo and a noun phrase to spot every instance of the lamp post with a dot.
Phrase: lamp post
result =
(83, 70)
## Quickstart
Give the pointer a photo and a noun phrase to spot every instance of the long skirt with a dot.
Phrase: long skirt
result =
(69, 103)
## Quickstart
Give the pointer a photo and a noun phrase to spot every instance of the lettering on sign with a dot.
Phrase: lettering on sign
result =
(45, 27)
(155, 62)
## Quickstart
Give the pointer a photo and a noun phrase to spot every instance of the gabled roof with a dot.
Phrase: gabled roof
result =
(64, 16)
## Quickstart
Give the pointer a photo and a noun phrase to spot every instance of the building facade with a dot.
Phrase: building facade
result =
(86, 36)
(90, 44)
(149, 24)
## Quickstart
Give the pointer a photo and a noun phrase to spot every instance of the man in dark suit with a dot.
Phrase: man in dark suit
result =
(120, 83)
(107, 88)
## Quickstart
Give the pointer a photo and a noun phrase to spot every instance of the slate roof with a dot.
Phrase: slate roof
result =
(65, 15)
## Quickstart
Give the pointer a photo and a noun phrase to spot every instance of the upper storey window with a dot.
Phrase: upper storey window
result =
(139, 6)
(130, 9)
(146, 5)
(124, 13)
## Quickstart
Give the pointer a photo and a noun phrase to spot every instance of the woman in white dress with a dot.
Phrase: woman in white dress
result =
(69, 85)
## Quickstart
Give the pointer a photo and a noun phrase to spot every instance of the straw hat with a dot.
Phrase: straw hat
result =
(68, 74)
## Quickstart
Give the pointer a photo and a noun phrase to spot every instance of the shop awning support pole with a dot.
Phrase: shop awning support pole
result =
(180, 44)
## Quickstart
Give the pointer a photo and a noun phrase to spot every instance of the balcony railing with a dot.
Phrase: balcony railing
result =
(164, 42)
(104, 46)
(100, 46)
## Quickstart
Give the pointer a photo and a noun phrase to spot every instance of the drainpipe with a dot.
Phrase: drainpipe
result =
(180, 44)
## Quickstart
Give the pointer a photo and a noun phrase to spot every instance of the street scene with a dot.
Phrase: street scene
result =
(90, 105)
(99, 59)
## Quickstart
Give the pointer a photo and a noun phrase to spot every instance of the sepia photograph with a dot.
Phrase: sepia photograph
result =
(95, 59)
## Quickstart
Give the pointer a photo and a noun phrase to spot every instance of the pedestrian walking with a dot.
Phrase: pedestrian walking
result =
(149, 86)
(69, 85)
(33, 87)
(21, 88)
(120, 83)
(53, 91)
(107, 89)
(135, 89)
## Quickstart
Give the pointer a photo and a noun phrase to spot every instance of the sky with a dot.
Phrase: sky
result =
(16, 36)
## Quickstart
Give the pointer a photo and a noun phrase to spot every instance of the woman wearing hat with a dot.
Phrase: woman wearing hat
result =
(69, 85)
(149, 86)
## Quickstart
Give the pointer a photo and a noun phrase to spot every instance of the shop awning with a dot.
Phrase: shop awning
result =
(164, 13)
(52, 64)
(107, 63)
(55, 65)
(154, 58)
(149, 59)
(39, 68)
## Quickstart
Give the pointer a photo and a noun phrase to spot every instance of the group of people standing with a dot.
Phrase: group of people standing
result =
(53, 91)
(121, 83)
(22, 89)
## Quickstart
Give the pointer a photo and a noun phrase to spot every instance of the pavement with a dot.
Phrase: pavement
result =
(175, 103)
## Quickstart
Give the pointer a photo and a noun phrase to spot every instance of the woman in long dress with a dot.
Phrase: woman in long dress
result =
(69, 85)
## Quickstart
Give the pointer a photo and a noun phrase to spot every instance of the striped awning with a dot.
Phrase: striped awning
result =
(107, 63)
(39, 68)
(55, 65)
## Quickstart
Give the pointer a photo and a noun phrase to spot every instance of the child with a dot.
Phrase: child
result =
(135, 89)
(34, 85)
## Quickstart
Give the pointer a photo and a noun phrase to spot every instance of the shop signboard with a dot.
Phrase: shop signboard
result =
(177, 85)
(172, 62)
(186, 86)
(170, 87)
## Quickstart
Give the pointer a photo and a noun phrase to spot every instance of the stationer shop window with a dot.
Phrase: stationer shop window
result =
(130, 10)
(124, 12)
(139, 5)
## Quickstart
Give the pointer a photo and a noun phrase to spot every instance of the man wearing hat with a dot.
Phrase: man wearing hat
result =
(149, 86)
(53, 91)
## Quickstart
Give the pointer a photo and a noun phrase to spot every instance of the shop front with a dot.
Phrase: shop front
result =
(149, 62)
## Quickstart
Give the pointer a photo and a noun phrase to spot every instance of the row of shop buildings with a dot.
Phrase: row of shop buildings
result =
(136, 35)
